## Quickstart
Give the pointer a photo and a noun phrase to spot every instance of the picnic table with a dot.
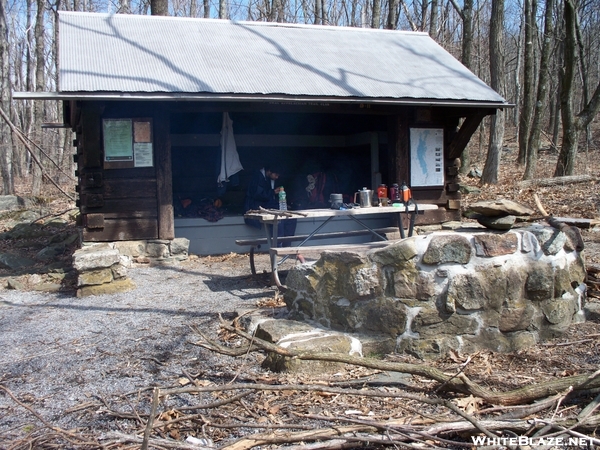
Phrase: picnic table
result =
(271, 218)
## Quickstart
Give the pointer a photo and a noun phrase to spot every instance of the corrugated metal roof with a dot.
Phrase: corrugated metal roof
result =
(157, 54)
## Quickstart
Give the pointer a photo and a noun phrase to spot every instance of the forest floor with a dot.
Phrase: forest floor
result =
(49, 401)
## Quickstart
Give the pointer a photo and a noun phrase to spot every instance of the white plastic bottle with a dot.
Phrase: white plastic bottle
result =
(282, 199)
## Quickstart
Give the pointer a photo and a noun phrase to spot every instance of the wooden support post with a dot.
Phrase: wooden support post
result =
(164, 173)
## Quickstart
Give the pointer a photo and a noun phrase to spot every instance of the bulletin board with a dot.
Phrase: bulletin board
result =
(127, 143)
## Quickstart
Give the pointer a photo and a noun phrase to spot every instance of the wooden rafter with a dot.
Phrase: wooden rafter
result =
(468, 127)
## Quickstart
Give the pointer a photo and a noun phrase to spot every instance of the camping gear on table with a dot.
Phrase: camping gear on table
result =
(382, 191)
(364, 198)
(405, 194)
(395, 193)
(336, 200)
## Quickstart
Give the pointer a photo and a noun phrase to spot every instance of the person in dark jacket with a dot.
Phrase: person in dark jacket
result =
(262, 192)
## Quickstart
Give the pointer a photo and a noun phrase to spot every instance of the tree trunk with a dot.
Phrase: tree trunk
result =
(21, 159)
(466, 14)
(517, 79)
(536, 125)
(392, 15)
(376, 19)
(492, 162)
(528, 81)
(572, 125)
(6, 166)
(40, 81)
(206, 9)
(433, 21)
(467, 34)
(566, 157)
(159, 7)
(555, 123)
(318, 12)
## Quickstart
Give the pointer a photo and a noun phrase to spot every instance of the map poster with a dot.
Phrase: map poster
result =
(426, 157)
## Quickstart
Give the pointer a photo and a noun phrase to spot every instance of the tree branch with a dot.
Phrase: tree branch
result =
(453, 383)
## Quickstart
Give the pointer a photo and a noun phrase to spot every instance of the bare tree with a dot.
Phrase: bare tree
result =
(542, 91)
(6, 169)
(466, 14)
(528, 80)
(40, 84)
(492, 163)
(376, 17)
(572, 123)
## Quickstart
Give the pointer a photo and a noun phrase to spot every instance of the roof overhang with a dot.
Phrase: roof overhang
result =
(200, 97)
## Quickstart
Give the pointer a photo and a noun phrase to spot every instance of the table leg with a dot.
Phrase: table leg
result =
(401, 226)
(412, 220)
(366, 227)
(273, 244)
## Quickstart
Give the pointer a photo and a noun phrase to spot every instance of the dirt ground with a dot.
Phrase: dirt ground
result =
(576, 352)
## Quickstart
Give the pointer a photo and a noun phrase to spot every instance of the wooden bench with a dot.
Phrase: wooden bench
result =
(258, 242)
(318, 249)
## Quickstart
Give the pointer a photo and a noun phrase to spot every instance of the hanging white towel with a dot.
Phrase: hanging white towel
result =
(230, 160)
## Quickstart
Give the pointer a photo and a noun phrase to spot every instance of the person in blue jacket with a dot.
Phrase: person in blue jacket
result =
(262, 192)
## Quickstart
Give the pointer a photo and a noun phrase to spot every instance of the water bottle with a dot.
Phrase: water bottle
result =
(282, 199)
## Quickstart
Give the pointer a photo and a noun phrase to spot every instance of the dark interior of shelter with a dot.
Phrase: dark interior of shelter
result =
(339, 145)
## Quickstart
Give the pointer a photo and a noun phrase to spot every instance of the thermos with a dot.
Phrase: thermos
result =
(394, 193)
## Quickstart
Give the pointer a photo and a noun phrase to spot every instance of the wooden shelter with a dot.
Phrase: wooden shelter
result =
(146, 96)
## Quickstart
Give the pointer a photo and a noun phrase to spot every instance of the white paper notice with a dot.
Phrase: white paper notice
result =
(142, 152)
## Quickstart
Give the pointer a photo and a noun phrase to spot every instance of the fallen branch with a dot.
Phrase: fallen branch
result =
(155, 442)
(410, 430)
(148, 429)
(569, 431)
(83, 440)
(520, 411)
(452, 383)
(571, 231)
(300, 436)
(556, 181)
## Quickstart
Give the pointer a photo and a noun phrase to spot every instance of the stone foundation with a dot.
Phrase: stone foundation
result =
(466, 290)
(154, 251)
(102, 268)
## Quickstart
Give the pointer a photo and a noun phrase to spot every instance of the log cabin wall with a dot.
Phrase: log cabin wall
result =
(117, 200)
(122, 202)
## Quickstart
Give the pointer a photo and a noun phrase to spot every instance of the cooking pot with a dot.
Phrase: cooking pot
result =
(364, 196)
(336, 200)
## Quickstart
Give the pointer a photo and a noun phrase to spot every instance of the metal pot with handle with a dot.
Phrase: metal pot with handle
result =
(336, 200)
(364, 197)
